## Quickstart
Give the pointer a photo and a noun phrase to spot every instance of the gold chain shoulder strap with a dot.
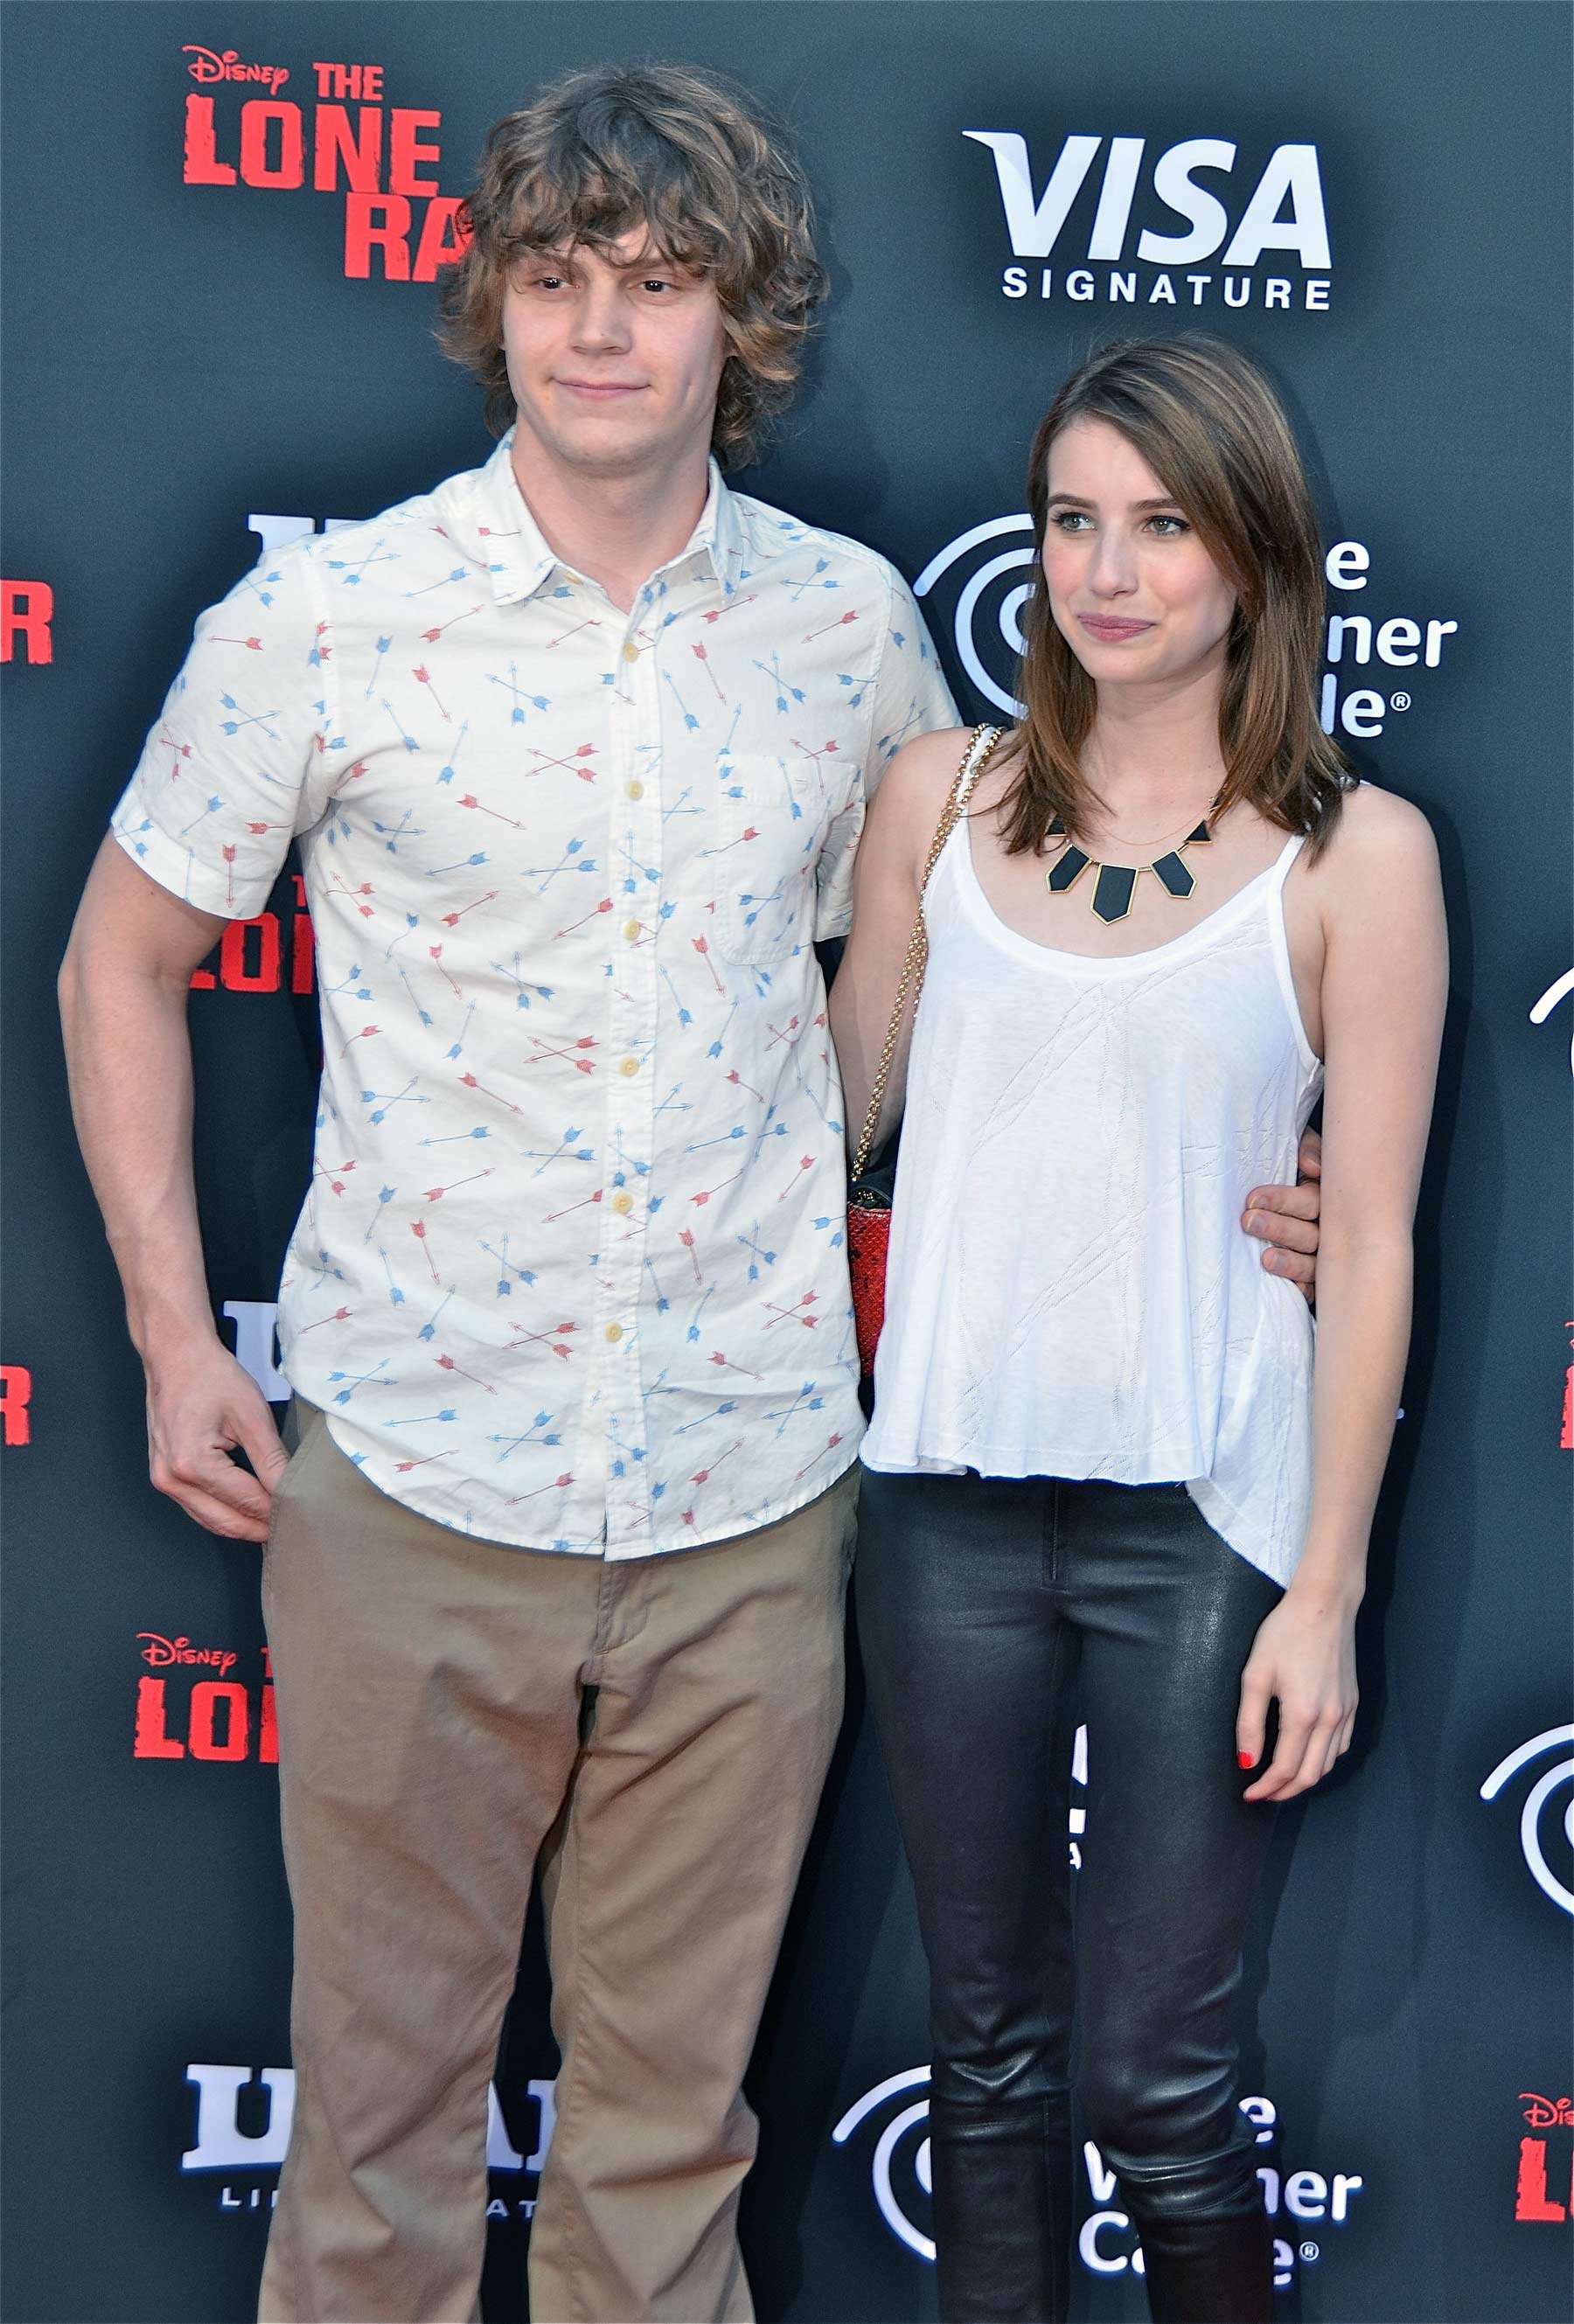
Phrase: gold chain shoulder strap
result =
(980, 744)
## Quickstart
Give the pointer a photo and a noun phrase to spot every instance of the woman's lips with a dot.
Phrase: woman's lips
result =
(1110, 628)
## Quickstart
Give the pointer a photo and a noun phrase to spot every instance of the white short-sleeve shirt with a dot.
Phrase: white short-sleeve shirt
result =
(571, 1271)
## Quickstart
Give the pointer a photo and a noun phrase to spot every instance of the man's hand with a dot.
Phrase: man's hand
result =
(200, 1403)
(1287, 1218)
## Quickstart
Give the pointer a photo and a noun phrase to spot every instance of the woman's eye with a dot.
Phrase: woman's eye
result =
(1073, 519)
(1168, 528)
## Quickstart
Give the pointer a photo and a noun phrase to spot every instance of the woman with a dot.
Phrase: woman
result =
(1100, 1480)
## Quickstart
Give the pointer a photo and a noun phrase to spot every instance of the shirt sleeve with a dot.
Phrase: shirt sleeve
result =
(908, 696)
(235, 767)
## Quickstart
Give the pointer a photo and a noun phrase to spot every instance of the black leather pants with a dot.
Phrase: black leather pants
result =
(992, 1614)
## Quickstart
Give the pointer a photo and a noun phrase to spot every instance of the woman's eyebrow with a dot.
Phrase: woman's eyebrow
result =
(1075, 500)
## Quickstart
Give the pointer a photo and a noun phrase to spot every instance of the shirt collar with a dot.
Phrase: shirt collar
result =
(505, 538)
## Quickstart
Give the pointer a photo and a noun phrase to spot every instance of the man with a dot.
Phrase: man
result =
(576, 749)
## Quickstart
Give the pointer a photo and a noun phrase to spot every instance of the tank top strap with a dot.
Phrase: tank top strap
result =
(942, 896)
(1279, 869)
(983, 742)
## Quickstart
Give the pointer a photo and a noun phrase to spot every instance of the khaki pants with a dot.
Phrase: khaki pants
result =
(449, 1708)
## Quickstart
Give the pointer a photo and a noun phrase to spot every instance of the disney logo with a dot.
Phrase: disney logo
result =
(161, 1652)
(212, 64)
(1545, 2113)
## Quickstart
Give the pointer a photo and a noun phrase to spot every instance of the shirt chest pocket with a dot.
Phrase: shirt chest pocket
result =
(774, 814)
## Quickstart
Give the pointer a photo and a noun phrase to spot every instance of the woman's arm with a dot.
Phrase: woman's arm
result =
(892, 852)
(1385, 983)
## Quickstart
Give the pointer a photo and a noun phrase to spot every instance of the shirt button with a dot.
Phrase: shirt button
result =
(636, 790)
(623, 1202)
(630, 1065)
(614, 1331)
(630, 652)
(633, 931)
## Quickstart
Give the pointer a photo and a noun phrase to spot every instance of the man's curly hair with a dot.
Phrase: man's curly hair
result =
(688, 157)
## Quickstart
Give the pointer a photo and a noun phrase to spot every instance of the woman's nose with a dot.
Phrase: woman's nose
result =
(1113, 571)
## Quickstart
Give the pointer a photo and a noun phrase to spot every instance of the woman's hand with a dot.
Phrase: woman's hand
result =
(1303, 1657)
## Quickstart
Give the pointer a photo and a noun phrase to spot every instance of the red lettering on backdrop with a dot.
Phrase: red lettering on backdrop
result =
(202, 166)
(219, 1722)
(360, 150)
(15, 1396)
(384, 222)
(350, 80)
(234, 949)
(26, 610)
(153, 1739)
(251, 953)
(1541, 2113)
(272, 153)
(206, 1700)
(211, 64)
(257, 117)
(406, 153)
(1531, 2198)
(376, 222)
(444, 238)
(161, 1653)
(302, 944)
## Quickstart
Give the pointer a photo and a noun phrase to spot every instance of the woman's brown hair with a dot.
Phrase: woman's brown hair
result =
(1212, 430)
(690, 158)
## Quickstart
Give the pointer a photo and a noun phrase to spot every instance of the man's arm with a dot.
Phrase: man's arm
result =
(1287, 1218)
(122, 989)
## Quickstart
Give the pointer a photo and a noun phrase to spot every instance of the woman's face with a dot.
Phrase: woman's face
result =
(1132, 589)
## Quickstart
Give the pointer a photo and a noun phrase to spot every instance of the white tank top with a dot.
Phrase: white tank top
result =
(1069, 1291)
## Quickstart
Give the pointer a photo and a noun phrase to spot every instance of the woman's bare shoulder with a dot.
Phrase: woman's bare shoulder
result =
(1378, 836)
(916, 781)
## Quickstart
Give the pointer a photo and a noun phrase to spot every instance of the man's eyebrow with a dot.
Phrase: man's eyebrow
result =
(649, 261)
(652, 261)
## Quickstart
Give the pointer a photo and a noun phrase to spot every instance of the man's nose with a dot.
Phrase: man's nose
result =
(601, 318)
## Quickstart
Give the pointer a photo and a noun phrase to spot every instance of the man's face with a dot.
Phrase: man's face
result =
(614, 362)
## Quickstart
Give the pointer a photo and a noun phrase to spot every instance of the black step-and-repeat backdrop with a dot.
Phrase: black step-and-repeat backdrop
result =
(224, 225)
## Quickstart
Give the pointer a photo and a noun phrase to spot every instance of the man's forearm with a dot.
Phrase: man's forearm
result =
(128, 1053)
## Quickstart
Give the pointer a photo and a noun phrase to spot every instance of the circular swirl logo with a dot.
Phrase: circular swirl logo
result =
(900, 2159)
(1549, 1000)
(990, 595)
(1539, 1820)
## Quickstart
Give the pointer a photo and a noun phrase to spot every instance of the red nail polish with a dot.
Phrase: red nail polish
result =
(1245, 1759)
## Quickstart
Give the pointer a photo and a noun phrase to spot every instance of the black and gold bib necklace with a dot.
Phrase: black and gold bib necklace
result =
(1114, 887)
